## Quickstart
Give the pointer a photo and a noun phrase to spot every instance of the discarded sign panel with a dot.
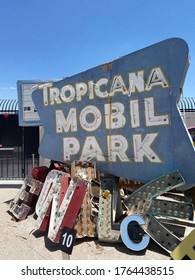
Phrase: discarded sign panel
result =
(51, 186)
(167, 217)
(85, 223)
(40, 173)
(145, 202)
(66, 216)
(124, 117)
(107, 228)
(85, 170)
(59, 203)
(26, 198)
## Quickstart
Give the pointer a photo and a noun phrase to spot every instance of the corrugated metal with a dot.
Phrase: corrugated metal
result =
(187, 104)
(8, 106)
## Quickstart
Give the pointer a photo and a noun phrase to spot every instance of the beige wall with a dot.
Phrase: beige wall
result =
(189, 118)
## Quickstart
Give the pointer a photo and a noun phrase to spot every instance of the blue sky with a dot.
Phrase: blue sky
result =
(48, 40)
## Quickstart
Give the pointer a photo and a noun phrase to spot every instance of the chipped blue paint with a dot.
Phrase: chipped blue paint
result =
(123, 115)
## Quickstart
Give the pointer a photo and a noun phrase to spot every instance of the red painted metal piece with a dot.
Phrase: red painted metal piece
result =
(40, 173)
(45, 222)
(73, 208)
(64, 186)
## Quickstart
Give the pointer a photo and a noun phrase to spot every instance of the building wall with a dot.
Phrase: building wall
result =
(189, 118)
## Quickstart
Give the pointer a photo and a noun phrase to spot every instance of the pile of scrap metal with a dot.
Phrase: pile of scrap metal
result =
(94, 204)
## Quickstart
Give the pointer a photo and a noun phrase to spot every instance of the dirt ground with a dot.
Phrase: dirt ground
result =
(21, 241)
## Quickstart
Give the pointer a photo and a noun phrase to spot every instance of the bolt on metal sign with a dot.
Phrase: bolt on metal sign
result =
(122, 114)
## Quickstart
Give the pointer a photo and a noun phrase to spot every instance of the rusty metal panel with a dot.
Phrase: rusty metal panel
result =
(85, 224)
(84, 169)
(26, 198)
(34, 185)
(20, 212)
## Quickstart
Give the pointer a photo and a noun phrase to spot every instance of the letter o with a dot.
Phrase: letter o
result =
(70, 89)
(97, 118)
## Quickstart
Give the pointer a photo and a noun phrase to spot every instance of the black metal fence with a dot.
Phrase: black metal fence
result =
(14, 164)
(18, 145)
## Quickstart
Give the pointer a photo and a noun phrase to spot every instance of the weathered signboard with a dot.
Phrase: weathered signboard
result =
(28, 115)
(123, 115)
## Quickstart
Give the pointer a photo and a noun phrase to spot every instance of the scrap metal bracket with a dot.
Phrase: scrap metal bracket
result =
(148, 202)
(109, 211)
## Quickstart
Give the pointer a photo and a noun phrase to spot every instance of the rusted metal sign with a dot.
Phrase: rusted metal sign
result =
(123, 115)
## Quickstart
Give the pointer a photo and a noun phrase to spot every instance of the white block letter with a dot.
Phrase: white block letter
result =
(142, 148)
(114, 117)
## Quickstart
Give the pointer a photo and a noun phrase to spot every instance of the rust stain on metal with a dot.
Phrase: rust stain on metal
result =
(107, 66)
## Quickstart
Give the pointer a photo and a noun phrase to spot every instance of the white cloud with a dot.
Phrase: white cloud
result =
(8, 88)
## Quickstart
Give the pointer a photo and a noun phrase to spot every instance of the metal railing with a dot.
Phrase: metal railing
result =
(14, 164)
